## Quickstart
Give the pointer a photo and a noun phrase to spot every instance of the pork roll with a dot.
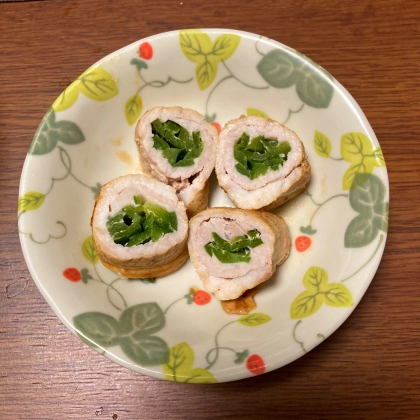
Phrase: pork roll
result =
(177, 146)
(260, 163)
(234, 250)
(139, 227)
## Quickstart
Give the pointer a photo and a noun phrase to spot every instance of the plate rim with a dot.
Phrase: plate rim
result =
(368, 277)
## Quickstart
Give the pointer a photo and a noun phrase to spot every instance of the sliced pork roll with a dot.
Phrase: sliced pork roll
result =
(234, 250)
(260, 163)
(139, 227)
(178, 147)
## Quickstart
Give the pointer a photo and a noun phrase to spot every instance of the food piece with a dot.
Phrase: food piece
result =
(260, 163)
(139, 227)
(234, 250)
(178, 147)
(241, 305)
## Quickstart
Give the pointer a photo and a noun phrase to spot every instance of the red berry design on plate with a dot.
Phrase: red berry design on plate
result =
(255, 364)
(302, 243)
(72, 274)
(217, 125)
(146, 51)
(201, 297)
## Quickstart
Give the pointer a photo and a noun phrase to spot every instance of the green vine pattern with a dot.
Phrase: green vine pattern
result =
(89, 252)
(318, 291)
(231, 75)
(279, 68)
(95, 83)
(32, 200)
(189, 297)
(250, 320)
(48, 137)
(301, 343)
(380, 241)
(134, 105)
(309, 230)
(31, 236)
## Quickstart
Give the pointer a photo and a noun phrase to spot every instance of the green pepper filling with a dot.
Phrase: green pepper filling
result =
(175, 142)
(140, 223)
(236, 250)
(257, 156)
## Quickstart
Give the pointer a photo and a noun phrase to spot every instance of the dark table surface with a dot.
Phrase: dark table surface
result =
(370, 367)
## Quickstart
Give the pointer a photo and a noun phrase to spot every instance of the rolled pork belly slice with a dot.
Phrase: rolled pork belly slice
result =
(139, 227)
(260, 163)
(234, 250)
(177, 146)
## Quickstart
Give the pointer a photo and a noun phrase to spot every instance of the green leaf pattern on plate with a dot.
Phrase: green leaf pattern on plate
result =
(97, 329)
(148, 319)
(368, 200)
(89, 251)
(95, 83)
(253, 112)
(198, 48)
(144, 350)
(322, 144)
(133, 108)
(133, 332)
(30, 201)
(254, 319)
(319, 291)
(179, 367)
(50, 132)
(357, 149)
(282, 69)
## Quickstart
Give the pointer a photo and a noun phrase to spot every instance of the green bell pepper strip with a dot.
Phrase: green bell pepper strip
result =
(175, 143)
(257, 156)
(140, 223)
(236, 250)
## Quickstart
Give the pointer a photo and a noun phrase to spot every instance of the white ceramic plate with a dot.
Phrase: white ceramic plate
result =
(338, 226)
